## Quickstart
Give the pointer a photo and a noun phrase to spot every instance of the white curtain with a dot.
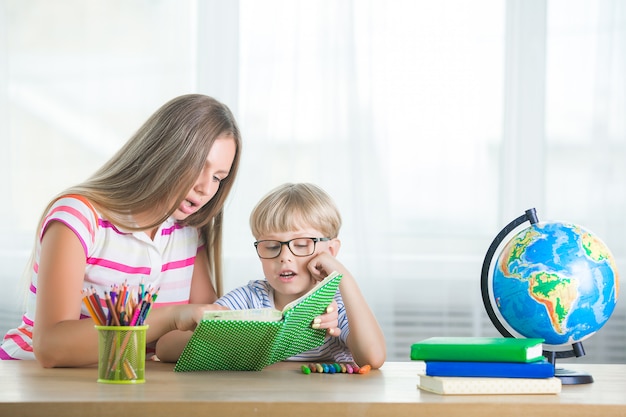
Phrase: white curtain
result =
(432, 124)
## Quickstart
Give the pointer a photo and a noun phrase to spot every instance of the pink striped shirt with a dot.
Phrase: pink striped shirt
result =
(114, 256)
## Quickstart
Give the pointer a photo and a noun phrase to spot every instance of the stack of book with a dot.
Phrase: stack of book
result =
(484, 365)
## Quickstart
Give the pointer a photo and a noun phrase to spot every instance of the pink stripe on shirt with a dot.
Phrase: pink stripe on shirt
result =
(170, 230)
(20, 342)
(105, 263)
(27, 321)
(75, 213)
(183, 263)
(5, 356)
(107, 224)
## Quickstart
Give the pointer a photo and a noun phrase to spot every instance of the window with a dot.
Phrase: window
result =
(432, 124)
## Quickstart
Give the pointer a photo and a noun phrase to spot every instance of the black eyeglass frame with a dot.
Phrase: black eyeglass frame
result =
(288, 244)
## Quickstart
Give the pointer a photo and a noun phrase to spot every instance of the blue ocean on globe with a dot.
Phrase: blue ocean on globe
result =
(555, 281)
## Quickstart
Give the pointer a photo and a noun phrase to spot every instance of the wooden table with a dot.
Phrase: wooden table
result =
(26, 389)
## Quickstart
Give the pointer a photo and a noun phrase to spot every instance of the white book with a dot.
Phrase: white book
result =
(448, 385)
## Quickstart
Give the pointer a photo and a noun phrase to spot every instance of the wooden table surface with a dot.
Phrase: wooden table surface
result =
(26, 389)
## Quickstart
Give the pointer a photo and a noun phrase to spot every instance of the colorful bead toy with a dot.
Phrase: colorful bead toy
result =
(335, 368)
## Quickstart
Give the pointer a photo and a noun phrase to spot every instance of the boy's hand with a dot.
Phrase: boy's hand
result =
(328, 321)
(322, 265)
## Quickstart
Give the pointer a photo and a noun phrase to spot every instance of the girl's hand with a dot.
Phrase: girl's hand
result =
(328, 321)
(190, 315)
(182, 321)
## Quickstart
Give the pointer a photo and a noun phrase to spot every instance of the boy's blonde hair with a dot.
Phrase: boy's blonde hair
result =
(295, 206)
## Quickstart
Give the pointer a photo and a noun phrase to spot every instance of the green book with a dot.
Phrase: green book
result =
(250, 340)
(478, 349)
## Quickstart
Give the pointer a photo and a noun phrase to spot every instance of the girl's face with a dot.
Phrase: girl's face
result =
(216, 169)
(287, 273)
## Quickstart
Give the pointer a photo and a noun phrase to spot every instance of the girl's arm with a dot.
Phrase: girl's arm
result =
(59, 337)
(366, 340)
(171, 345)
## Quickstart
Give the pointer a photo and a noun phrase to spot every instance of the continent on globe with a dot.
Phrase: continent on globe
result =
(556, 293)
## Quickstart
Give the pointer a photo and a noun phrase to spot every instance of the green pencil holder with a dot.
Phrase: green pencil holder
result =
(121, 354)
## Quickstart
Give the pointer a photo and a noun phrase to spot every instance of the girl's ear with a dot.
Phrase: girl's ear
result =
(334, 246)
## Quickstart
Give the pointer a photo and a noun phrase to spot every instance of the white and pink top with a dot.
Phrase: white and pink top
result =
(114, 256)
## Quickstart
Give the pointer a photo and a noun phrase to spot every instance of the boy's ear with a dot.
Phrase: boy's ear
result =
(334, 246)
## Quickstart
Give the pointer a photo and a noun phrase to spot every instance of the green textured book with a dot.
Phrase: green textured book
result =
(250, 340)
(478, 349)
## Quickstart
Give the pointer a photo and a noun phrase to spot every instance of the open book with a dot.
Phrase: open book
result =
(250, 340)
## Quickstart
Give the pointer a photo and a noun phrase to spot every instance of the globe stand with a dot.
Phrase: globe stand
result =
(567, 377)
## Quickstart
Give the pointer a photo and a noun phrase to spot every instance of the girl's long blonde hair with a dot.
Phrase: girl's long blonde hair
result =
(153, 172)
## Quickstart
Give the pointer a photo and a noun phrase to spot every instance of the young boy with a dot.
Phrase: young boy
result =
(296, 228)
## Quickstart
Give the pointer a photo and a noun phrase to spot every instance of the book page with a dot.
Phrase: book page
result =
(311, 291)
(262, 314)
(255, 314)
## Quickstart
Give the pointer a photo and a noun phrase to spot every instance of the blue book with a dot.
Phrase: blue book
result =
(539, 369)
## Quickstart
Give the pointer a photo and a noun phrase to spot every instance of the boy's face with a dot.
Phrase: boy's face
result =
(287, 273)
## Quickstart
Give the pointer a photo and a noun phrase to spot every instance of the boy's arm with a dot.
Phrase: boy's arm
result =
(366, 340)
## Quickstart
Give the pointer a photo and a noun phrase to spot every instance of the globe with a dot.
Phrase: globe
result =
(555, 281)
(552, 280)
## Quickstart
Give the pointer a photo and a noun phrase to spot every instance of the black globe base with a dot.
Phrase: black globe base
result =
(569, 377)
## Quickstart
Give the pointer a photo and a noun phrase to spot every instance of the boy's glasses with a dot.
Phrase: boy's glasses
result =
(302, 246)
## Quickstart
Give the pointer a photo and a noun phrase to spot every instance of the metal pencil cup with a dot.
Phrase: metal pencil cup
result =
(121, 354)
